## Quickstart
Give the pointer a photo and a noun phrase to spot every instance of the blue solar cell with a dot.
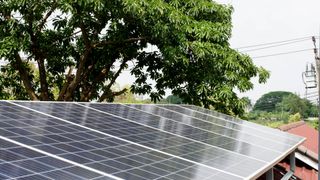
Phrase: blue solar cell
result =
(34, 177)
(18, 162)
(13, 170)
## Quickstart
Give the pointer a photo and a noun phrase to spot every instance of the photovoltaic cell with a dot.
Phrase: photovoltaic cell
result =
(100, 151)
(22, 163)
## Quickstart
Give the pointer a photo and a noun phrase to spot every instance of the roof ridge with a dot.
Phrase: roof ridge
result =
(291, 125)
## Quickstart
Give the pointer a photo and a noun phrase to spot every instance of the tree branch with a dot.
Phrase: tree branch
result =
(111, 95)
(24, 77)
(103, 43)
(103, 73)
(107, 91)
(119, 92)
(44, 20)
(69, 78)
(83, 60)
(39, 57)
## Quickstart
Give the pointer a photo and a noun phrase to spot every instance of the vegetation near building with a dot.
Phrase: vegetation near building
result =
(280, 107)
(81, 47)
(269, 101)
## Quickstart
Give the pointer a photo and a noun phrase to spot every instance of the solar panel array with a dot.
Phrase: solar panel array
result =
(51, 140)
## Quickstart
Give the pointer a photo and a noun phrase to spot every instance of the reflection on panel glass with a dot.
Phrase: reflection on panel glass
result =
(97, 150)
(241, 135)
(212, 115)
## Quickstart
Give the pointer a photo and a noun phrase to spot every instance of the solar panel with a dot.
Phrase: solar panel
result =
(102, 142)
(223, 148)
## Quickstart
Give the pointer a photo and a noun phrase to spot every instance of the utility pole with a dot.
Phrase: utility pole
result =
(317, 58)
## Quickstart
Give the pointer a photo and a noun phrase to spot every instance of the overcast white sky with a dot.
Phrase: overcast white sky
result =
(264, 21)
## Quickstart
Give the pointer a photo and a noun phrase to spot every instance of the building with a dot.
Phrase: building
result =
(306, 154)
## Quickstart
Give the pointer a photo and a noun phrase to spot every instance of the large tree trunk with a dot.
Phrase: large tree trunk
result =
(39, 57)
(83, 59)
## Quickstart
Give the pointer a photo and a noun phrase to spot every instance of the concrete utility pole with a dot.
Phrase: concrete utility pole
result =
(317, 58)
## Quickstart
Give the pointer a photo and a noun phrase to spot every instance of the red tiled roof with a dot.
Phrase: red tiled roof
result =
(302, 129)
(302, 172)
(309, 148)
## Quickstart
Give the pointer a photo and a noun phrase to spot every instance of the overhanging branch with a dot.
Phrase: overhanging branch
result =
(106, 42)
(107, 91)
(44, 20)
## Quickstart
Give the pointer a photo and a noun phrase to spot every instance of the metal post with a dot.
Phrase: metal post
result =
(318, 73)
(318, 81)
(290, 173)
(292, 162)
(270, 174)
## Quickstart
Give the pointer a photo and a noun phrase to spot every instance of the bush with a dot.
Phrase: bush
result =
(294, 118)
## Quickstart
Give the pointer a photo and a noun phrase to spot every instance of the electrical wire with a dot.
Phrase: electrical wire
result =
(315, 92)
(267, 47)
(278, 54)
(311, 96)
(276, 42)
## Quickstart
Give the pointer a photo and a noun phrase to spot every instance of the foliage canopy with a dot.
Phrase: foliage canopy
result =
(281, 103)
(269, 101)
(81, 47)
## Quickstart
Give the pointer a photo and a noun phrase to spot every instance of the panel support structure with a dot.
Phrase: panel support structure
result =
(270, 174)
(290, 173)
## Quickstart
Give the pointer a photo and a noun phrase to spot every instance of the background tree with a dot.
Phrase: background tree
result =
(292, 104)
(248, 104)
(311, 110)
(81, 47)
(277, 108)
(172, 99)
(269, 101)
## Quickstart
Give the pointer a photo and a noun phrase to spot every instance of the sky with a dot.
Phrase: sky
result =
(266, 21)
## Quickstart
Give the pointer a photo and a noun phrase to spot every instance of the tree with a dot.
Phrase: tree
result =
(269, 101)
(128, 96)
(81, 47)
(311, 110)
(11, 87)
(172, 99)
(294, 104)
(248, 103)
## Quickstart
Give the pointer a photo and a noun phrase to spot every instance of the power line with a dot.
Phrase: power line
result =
(312, 93)
(311, 96)
(276, 42)
(282, 44)
(278, 54)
